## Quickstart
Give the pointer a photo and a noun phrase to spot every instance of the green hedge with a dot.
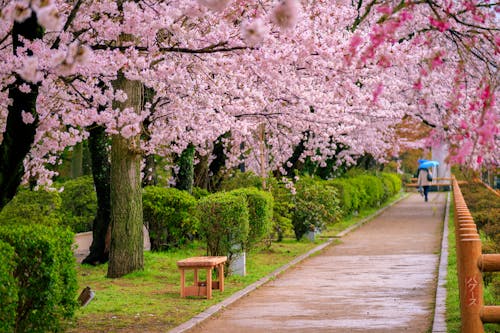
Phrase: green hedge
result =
(27, 207)
(79, 203)
(362, 191)
(8, 288)
(241, 180)
(169, 217)
(260, 209)
(282, 209)
(374, 189)
(316, 205)
(223, 223)
(45, 275)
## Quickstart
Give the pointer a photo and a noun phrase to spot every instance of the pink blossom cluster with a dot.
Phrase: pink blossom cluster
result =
(273, 74)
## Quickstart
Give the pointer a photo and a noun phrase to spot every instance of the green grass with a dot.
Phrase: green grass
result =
(452, 295)
(149, 300)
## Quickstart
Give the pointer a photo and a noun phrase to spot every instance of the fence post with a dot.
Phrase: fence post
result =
(471, 298)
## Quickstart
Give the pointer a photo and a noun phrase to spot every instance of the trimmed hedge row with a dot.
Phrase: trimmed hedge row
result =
(365, 191)
(39, 288)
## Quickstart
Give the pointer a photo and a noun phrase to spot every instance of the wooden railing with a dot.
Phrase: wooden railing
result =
(438, 181)
(470, 265)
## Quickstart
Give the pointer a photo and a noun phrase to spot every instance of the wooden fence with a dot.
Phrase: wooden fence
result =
(470, 265)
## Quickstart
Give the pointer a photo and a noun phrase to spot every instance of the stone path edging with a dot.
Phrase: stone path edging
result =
(239, 294)
(439, 322)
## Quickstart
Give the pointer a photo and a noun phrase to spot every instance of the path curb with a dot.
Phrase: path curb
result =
(239, 294)
(439, 322)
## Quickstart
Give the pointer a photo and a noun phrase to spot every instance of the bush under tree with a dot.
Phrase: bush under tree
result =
(45, 275)
(168, 216)
(260, 209)
(224, 223)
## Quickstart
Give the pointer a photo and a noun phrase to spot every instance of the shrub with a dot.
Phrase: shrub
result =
(260, 209)
(316, 206)
(282, 209)
(392, 184)
(8, 288)
(348, 198)
(359, 192)
(374, 189)
(79, 203)
(241, 179)
(199, 193)
(45, 275)
(27, 207)
(168, 215)
(223, 223)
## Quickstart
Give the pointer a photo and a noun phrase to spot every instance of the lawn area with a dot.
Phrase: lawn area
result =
(149, 300)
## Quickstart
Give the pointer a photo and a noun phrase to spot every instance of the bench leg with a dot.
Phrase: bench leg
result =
(183, 282)
(209, 283)
(221, 277)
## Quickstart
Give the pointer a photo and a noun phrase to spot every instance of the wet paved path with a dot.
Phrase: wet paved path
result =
(381, 278)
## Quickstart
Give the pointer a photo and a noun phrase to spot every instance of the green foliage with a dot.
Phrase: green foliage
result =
(392, 184)
(364, 191)
(199, 192)
(8, 288)
(185, 176)
(168, 214)
(347, 195)
(260, 209)
(316, 206)
(374, 188)
(45, 275)
(240, 180)
(28, 207)
(223, 223)
(79, 203)
(360, 196)
(282, 209)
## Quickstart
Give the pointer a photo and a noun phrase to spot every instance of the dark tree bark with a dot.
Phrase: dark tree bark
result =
(18, 136)
(98, 146)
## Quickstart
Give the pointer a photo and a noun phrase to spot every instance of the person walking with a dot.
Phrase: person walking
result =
(424, 181)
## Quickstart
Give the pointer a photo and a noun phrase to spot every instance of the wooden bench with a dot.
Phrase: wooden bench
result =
(202, 288)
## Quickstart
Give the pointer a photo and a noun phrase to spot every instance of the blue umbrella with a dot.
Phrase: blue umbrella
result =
(425, 164)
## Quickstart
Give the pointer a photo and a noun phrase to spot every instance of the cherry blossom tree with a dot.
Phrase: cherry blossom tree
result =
(262, 77)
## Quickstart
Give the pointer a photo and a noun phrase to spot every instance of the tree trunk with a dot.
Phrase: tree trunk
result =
(185, 176)
(98, 146)
(18, 136)
(126, 252)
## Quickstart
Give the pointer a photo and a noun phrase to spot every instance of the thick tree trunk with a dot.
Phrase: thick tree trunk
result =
(126, 252)
(18, 136)
(185, 176)
(98, 146)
